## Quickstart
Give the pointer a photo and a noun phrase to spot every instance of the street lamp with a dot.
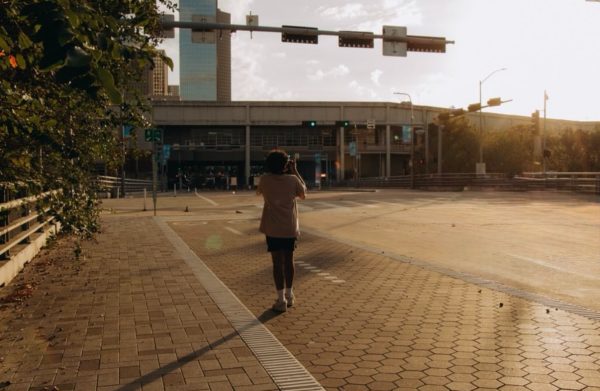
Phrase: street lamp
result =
(412, 140)
(481, 164)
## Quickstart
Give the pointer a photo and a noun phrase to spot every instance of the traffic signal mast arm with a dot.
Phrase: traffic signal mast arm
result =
(414, 42)
(448, 115)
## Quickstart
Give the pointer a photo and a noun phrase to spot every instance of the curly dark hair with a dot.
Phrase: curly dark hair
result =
(276, 161)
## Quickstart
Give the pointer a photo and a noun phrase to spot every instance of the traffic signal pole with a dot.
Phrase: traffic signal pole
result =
(415, 42)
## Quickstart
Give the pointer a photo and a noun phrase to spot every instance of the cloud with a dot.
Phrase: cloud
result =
(375, 75)
(338, 71)
(346, 11)
(373, 15)
(248, 79)
(363, 92)
(237, 8)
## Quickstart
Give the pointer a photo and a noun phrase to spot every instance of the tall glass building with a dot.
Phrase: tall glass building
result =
(205, 71)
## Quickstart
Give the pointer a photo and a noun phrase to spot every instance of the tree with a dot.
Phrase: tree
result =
(510, 151)
(65, 66)
(460, 145)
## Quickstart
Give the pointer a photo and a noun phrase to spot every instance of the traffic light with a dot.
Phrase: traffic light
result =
(535, 119)
(494, 102)
(342, 124)
(474, 107)
(298, 34)
(356, 39)
(426, 44)
(309, 124)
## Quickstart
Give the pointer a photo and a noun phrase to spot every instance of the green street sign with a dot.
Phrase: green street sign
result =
(153, 134)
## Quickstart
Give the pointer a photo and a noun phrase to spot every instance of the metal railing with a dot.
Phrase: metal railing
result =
(24, 227)
(450, 181)
(583, 182)
(113, 184)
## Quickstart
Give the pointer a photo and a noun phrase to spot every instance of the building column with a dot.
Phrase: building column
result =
(247, 160)
(342, 157)
(388, 152)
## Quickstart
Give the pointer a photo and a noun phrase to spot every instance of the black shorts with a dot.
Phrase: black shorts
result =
(279, 244)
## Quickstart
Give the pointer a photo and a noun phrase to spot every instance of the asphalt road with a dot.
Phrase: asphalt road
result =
(545, 243)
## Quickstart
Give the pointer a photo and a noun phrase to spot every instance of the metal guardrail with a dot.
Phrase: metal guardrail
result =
(25, 226)
(112, 185)
(583, 182)
(19, 220)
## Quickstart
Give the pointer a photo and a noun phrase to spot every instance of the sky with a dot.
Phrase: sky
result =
(545, 45)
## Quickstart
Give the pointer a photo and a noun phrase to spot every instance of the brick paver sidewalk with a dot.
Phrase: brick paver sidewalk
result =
(130, 316)
(364, 321)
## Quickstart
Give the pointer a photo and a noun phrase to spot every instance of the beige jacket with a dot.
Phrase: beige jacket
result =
(280, 212)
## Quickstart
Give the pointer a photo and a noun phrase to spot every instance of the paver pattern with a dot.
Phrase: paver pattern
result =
(388, 325)
(130, 316)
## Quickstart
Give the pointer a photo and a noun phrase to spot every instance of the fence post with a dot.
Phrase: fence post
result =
(5, 222)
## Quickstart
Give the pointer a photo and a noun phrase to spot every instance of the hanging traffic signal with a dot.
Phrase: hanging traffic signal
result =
(356, 39)
(474, 107)
(494, 102)
(342, 124)
(426, 44)
(309, 124)
(298, 34)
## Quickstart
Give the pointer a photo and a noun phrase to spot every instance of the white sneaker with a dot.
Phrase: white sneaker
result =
(280, 306)
(290, 299)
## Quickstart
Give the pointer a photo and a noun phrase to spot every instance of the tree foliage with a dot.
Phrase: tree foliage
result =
(512, 151)
(65, 66)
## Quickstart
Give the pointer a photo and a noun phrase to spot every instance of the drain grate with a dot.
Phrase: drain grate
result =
(287, 372)
(494, 285)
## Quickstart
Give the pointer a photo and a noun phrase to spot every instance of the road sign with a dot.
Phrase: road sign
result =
(370, 124)
(406, 136)
(394, 48)
(204, 35)
(352, 148)
(153, 134)
(251, 20)
(166, 151)
(127, 130)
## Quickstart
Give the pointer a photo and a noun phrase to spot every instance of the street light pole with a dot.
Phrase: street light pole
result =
(481, 119)
(412, 140)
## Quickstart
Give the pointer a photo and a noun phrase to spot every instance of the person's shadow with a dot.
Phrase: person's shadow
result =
(266, 316)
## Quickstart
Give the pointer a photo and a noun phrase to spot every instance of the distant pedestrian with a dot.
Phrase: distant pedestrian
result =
(280, 187)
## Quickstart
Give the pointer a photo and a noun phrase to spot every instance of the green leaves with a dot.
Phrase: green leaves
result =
(108, 82)
(56, 123)
(77, 57)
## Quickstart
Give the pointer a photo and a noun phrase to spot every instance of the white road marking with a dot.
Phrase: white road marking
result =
(549, 265)
(330, 205)
(305, 208)
(326, 276)
(235, 231)
(206, 199)
(359, 204)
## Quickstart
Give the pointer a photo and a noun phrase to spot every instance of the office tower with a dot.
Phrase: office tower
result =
(224, 59)
(173, 90)
(160, 79)
(204, 65)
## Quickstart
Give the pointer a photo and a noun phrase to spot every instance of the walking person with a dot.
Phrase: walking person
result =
(280, 187)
